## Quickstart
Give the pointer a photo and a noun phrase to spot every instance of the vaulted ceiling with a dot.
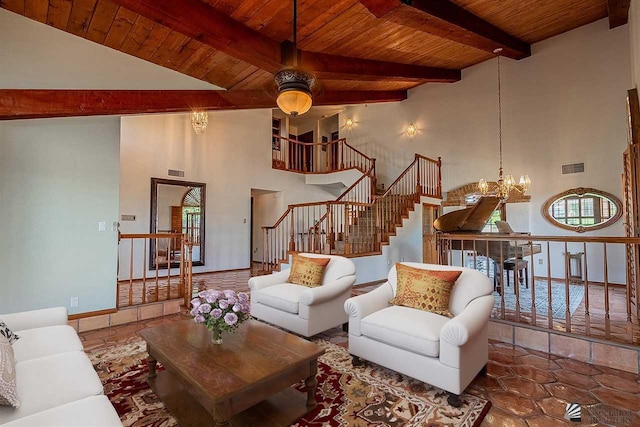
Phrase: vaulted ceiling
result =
(353, 46)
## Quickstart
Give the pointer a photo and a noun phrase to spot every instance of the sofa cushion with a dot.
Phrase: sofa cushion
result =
(52, 381)
(414, 330)
(425, 289)
(285, 297)
(47, 341)
(8, 333)
(95, 411)
(8, 395)
(307, 271)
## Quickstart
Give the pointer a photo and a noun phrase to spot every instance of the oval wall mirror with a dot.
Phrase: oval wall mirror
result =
(582, 209)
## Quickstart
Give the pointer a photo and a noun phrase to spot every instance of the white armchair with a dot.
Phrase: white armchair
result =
(445, 352)
(300, 309)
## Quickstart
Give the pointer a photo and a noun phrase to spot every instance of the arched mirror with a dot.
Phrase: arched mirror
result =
(177, 207)
(582, 209)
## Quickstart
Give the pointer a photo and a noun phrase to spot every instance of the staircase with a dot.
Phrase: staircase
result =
(358, 222)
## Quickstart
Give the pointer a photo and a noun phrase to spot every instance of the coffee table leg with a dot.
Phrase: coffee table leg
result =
(152, 366)
(312, 384)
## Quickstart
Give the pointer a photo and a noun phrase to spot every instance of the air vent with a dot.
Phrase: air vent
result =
(572, 168)
(176, 173)
(127, 217)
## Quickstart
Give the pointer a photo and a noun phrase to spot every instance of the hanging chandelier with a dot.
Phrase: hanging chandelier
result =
(505, 184)
(199, 121)
(294, 84)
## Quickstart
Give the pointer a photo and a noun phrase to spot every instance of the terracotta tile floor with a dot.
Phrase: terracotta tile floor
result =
(526, 387)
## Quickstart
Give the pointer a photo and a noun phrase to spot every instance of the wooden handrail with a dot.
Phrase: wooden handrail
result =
(150, 236)
(402, 175)
(526, 237)
(282, 218)
(369, 174)
(356, 150)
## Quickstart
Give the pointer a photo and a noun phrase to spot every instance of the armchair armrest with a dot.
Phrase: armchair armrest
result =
(35, 318)
(469, 322)
(260, 282)
(363, 305)
(328, 291)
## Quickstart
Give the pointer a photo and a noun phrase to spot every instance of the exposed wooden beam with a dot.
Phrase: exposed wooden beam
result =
(337, 67)
(618, 12)
(43, 103)
(200, 21)
(446, 19)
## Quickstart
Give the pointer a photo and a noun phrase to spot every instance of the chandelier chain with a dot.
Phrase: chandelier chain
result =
(500, 115)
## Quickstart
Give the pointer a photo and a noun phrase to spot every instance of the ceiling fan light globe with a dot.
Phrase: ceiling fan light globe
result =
(294, 102)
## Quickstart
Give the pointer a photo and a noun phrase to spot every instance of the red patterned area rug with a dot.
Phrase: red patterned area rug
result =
(347, 396)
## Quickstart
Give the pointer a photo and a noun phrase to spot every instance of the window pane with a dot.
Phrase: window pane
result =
(558, 209)
(573, 208)
(587, 206)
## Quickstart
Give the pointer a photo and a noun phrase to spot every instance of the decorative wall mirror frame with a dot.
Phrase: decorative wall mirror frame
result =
(177, 207)
(582, 209)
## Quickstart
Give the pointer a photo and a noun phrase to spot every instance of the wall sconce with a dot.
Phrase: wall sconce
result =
(199, 121)
(411, 129)
(349, 123)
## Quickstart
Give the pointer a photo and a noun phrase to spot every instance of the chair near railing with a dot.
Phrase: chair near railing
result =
(594, 297)
(317, 157)
(141, 283)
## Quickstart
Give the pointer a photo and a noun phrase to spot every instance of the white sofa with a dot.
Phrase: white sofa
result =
(56, 383)
(445, 352)
(305, 311)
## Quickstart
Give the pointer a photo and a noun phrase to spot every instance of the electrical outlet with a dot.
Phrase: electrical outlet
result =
(74, 302)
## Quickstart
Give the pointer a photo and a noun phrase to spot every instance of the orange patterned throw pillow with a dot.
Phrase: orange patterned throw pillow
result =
(427, 290)
(307, 271)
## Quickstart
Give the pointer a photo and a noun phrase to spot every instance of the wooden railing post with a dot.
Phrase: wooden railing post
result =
(418, 181)
(342, 154)
(347, 226)
(439, 184)
(292, 240)
(374, 183)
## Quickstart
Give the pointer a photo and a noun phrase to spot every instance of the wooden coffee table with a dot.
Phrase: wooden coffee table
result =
(246, 381)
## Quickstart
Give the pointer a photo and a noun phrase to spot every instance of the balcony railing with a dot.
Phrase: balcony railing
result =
(577, 285)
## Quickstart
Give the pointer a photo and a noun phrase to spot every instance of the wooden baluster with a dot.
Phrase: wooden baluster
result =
(628, 298)
(157, 267)
(144, 272)
(342, 154)
(169, 251)
(502, 284)
(417, 162)
(347, 223)
(549, 293)
(516, 281)
(607, 324)
(587, 317)
(181, 283)
(131, 273)
(533, 284)
(292, 240)
(118, 273)
(567, 272)
(439, 190)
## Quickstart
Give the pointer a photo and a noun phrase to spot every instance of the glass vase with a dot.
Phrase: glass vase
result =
(216, 337)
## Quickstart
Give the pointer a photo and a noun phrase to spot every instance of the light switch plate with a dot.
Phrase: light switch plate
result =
(102, 226)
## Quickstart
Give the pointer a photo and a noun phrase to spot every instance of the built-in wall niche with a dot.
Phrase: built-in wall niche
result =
(177, 207)
(582, 209)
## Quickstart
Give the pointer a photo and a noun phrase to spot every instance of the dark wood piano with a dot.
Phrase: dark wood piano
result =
(471, 221)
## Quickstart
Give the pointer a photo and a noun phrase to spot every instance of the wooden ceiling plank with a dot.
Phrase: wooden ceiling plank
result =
(346, 68)
(101, 21)
(80, 17)
(156, 38)
(450, 21)
(196, 19)
(58, 13)
(183, 53)
(618, 12)
(170, 46)
(42, 103)
(120, 28)
(248, 9)
(137, 35)
(16, 6)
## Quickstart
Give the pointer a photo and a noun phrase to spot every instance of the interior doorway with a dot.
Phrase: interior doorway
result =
(266, 208)
(429, 252)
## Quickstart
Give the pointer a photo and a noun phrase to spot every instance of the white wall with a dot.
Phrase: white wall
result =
(564, 104)
(232, 157)
(58, 180)
(36, 56)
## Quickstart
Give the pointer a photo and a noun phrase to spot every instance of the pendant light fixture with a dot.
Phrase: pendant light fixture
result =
(294, 84)
(504, 185)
